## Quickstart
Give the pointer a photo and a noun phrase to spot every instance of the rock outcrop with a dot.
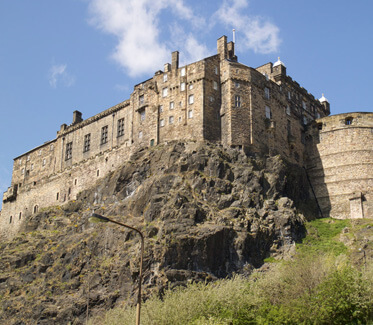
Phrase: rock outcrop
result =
(206, 212)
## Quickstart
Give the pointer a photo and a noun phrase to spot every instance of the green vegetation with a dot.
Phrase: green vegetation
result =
(319, 286)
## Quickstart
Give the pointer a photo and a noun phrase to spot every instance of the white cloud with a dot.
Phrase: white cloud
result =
(58, 73)
(145, 38)
(259, 35)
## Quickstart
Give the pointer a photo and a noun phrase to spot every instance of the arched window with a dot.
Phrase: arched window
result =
(36, 208)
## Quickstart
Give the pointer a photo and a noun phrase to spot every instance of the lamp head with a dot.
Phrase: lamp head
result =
(96, 218)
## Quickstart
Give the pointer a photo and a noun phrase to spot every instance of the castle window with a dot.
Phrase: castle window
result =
(20, 216)
(32, 166)
(182, 72)
(152, 142)
(268, 112)
(190, 86)
(10, 219)
(289, 128)
(161, 122)
(182, 86)
(160, 108)
(140, 134)
(305, 120)
(36, 208)
(179, 119)
(57, 196)
(23, 171)
(288, 110)
(141, 99)
(165, 77)
(120, 131)
(266, 93)
(215, 84)
(289, 95)
(104, 134)
(98, 173)
(317, 115)
(216, 70)
(171, 120)
(237, 101)
(181, 104)
(191, 99)
(51, 147)
(28, 158)
(212, 99)
(304, 105)
(237, 84)
(190, 114)
(319, 126)
(44, 161)
(40, 151)
(75, 181)
(164, 92)
(20, 162)
(348, 121)
(69, 151)
(172, 105)
(87, 142)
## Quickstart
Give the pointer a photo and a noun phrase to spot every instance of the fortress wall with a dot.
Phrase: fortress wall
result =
(341, 164)
(59, 188)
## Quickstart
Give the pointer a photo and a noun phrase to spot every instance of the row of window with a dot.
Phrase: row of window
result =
(171, 119)
(183, 73)
(28, 158)
(87, 138)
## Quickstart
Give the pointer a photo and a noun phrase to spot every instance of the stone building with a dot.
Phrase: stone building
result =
(216, 99)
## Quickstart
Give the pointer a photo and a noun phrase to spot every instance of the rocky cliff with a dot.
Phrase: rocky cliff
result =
(206, 212)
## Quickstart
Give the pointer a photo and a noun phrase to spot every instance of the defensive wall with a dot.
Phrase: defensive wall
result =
(217, 99)
(340, 164)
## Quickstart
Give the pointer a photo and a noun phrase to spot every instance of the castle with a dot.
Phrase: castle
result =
(216, 99)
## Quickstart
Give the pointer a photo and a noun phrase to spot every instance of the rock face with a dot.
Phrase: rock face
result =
(206, 212)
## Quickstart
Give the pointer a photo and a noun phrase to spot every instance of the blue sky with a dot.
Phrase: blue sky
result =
(59, 56)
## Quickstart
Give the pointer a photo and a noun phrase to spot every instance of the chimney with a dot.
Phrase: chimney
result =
(222, 47)
(77, 117)
(175, 61)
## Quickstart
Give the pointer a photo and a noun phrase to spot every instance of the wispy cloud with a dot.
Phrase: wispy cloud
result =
(259, 35)
(58, 74)
(145, 37)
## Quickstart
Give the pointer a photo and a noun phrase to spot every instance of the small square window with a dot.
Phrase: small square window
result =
(191, 99)
(142, 115)
(237, 101)
(268, 112)
(104, 134)
(120, 131)
(164, 92)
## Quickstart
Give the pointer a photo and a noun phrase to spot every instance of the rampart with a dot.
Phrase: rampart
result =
(340, 164)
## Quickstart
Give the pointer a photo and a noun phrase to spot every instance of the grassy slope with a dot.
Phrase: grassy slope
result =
(319, 286)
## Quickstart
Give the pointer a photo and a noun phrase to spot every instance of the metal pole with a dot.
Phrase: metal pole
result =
(104, 219)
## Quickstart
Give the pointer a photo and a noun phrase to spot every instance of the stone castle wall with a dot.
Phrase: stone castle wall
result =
(340, 164)
(216, 99)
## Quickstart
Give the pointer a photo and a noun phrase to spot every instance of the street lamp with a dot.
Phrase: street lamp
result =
(99, 218)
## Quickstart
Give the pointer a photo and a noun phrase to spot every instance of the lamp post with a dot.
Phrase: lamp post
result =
(99, 218)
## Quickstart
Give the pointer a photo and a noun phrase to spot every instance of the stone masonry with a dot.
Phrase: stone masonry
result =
(218, 99)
